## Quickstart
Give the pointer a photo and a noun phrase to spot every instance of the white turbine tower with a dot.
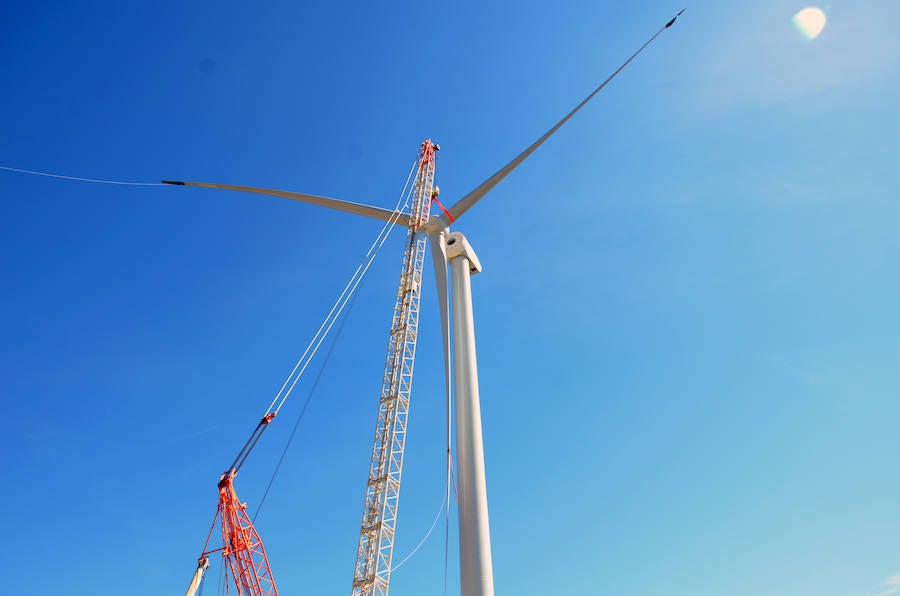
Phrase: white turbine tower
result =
(453, 250)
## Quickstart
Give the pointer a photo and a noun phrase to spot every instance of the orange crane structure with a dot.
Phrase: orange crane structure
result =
(242, 549)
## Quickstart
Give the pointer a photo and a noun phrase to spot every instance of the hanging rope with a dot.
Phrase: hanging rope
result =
(95, 180)
(425, 538)
(450, 482)
(449, 419)
(447, 500)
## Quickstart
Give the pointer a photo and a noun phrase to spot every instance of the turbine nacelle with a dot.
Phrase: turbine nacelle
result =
(458, 246)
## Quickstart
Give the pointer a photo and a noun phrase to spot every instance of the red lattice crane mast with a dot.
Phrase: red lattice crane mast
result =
(242, 548)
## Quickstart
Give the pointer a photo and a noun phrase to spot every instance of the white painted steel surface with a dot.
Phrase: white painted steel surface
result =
(476, 567)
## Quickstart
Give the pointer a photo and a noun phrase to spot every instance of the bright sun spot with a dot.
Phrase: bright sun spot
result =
(810, 22)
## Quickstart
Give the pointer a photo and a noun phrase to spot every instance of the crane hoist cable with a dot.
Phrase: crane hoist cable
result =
(342, 300)
(303, 409)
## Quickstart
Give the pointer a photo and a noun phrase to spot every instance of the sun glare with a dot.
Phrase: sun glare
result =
(809, 22)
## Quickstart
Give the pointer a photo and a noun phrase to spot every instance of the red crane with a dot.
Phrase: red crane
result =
(242, 548)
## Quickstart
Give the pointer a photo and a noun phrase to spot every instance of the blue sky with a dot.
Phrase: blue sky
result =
(686, 323)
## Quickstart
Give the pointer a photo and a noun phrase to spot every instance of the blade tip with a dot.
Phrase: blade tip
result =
(672, 22)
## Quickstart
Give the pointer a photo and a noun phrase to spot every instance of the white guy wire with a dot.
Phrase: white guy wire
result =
(388, 227)
(341, 301)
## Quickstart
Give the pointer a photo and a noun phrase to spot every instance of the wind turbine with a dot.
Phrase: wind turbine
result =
(452, 249)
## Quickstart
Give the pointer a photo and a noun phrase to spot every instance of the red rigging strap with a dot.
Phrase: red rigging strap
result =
(434, 199)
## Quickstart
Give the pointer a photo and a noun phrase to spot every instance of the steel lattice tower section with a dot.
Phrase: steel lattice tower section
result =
(376, 537)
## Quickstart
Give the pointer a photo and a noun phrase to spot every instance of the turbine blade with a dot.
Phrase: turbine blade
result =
(439, 256)
(466, 203)
(355, 208)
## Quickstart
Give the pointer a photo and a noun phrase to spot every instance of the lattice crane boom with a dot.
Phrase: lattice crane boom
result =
(376, 537)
